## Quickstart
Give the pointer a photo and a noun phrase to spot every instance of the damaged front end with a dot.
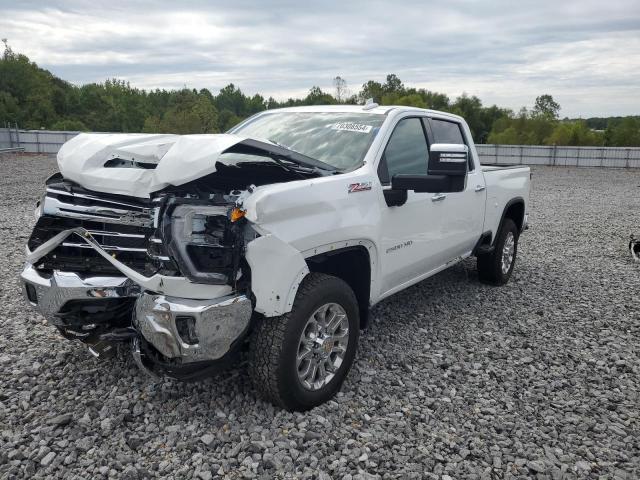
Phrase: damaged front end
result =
(167, 274)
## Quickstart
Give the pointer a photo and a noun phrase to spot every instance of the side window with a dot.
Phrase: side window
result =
(406, 152)
(448, 132)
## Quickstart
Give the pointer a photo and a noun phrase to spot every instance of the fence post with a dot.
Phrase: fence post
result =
(627, 160)
(8, 126)
(17, 134)
(37, 141)
(601, 156)
(495, 152)
(521, 154)
(555, 154)
(578, 157)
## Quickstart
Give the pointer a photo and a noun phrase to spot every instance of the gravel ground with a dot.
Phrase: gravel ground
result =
(454, 380)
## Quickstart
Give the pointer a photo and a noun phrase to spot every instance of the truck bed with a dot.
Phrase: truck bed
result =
(492, 168)
(505, 184)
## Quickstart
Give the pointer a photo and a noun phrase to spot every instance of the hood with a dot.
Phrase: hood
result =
(139, 164)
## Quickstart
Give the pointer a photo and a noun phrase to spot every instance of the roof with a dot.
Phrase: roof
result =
(379, 110)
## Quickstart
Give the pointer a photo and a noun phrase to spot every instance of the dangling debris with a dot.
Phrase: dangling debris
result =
(634, 248)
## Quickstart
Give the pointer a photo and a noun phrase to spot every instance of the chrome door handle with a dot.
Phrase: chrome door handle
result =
(438, 197)
(480, 188)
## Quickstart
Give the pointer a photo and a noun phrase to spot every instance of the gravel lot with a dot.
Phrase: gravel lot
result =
(454, 380)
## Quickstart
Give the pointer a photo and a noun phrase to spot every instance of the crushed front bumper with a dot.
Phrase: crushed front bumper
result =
(192, 330)
(49, 294)
(180, 329)
(174, 319)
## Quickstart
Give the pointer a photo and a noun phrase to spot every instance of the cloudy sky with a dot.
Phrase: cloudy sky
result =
(585, 53)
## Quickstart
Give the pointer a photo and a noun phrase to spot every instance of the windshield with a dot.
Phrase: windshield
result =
(339, 139)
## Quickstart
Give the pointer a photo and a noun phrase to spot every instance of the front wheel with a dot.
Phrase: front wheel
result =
(496, 267)
(299, 360)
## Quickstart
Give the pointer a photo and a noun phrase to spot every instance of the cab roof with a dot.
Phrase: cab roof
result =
(378, 110)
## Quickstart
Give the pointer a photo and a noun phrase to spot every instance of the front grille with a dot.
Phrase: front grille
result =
(123, 227)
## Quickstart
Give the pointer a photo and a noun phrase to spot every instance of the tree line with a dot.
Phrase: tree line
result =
(34, 98)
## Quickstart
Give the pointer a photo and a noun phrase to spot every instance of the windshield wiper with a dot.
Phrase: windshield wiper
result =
(281, 152)
(280, 144)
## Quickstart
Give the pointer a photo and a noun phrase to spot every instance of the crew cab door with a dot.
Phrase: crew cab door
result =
(411, 226)
(462, 227)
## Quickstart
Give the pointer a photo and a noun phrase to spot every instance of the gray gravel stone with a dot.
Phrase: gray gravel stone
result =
(60, 419)
(454, 379)
(47, 459)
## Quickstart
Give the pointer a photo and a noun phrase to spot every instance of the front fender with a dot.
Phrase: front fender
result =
(277, 269)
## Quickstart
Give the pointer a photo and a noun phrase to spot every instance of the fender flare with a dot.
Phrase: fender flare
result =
(510, 203)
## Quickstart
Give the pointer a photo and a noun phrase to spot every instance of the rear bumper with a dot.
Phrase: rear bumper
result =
(180, 329)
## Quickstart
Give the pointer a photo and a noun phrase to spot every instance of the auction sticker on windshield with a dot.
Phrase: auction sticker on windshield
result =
(351, 127)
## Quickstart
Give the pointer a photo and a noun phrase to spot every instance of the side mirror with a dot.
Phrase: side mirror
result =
(422, 183)
(447, 171)
(448, 159)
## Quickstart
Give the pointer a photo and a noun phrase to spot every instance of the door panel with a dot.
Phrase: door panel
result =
(465, 210)
(411, 234)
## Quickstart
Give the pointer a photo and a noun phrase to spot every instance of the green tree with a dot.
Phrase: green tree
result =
(317, 97)
(546, 106)
(574, 133)
(69, 125)
(624, 132)
(190, 112)
(371, 89)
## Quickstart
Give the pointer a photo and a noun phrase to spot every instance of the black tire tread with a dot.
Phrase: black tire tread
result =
(268, 340)
(488, 264)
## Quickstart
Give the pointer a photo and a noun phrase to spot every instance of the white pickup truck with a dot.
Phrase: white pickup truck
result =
(268, 243)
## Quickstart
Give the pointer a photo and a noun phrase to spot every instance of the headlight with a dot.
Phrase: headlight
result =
(204, 242)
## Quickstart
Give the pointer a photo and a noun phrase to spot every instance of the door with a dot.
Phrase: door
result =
(465, 210)
(411, 242)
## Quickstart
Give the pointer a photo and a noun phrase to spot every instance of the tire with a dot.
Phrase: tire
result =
(490, 265)
(276, 344)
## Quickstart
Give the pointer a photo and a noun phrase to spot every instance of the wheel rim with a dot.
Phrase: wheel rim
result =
(322, 346)
(507, 252)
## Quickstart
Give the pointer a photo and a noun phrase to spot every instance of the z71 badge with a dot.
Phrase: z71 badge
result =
(359, 187)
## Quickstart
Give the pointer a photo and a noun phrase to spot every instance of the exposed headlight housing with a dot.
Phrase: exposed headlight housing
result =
(204, 241)
(39, 209)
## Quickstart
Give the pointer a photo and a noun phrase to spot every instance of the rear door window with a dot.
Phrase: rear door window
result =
(444, 131)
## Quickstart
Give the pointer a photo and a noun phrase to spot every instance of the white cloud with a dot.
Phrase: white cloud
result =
(585, 53)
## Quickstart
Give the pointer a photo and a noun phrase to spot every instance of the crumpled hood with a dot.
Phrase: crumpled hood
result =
(179, 158)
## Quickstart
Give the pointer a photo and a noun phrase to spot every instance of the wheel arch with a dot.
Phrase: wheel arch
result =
(515, 210)
(353, 264)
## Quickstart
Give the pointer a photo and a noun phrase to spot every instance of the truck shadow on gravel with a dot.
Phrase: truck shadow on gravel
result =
(418, 308)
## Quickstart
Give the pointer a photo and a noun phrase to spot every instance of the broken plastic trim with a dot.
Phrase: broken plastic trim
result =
(122, 163)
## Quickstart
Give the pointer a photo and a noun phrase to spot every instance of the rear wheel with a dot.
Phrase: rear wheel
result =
(496, 267)
(299, 360)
